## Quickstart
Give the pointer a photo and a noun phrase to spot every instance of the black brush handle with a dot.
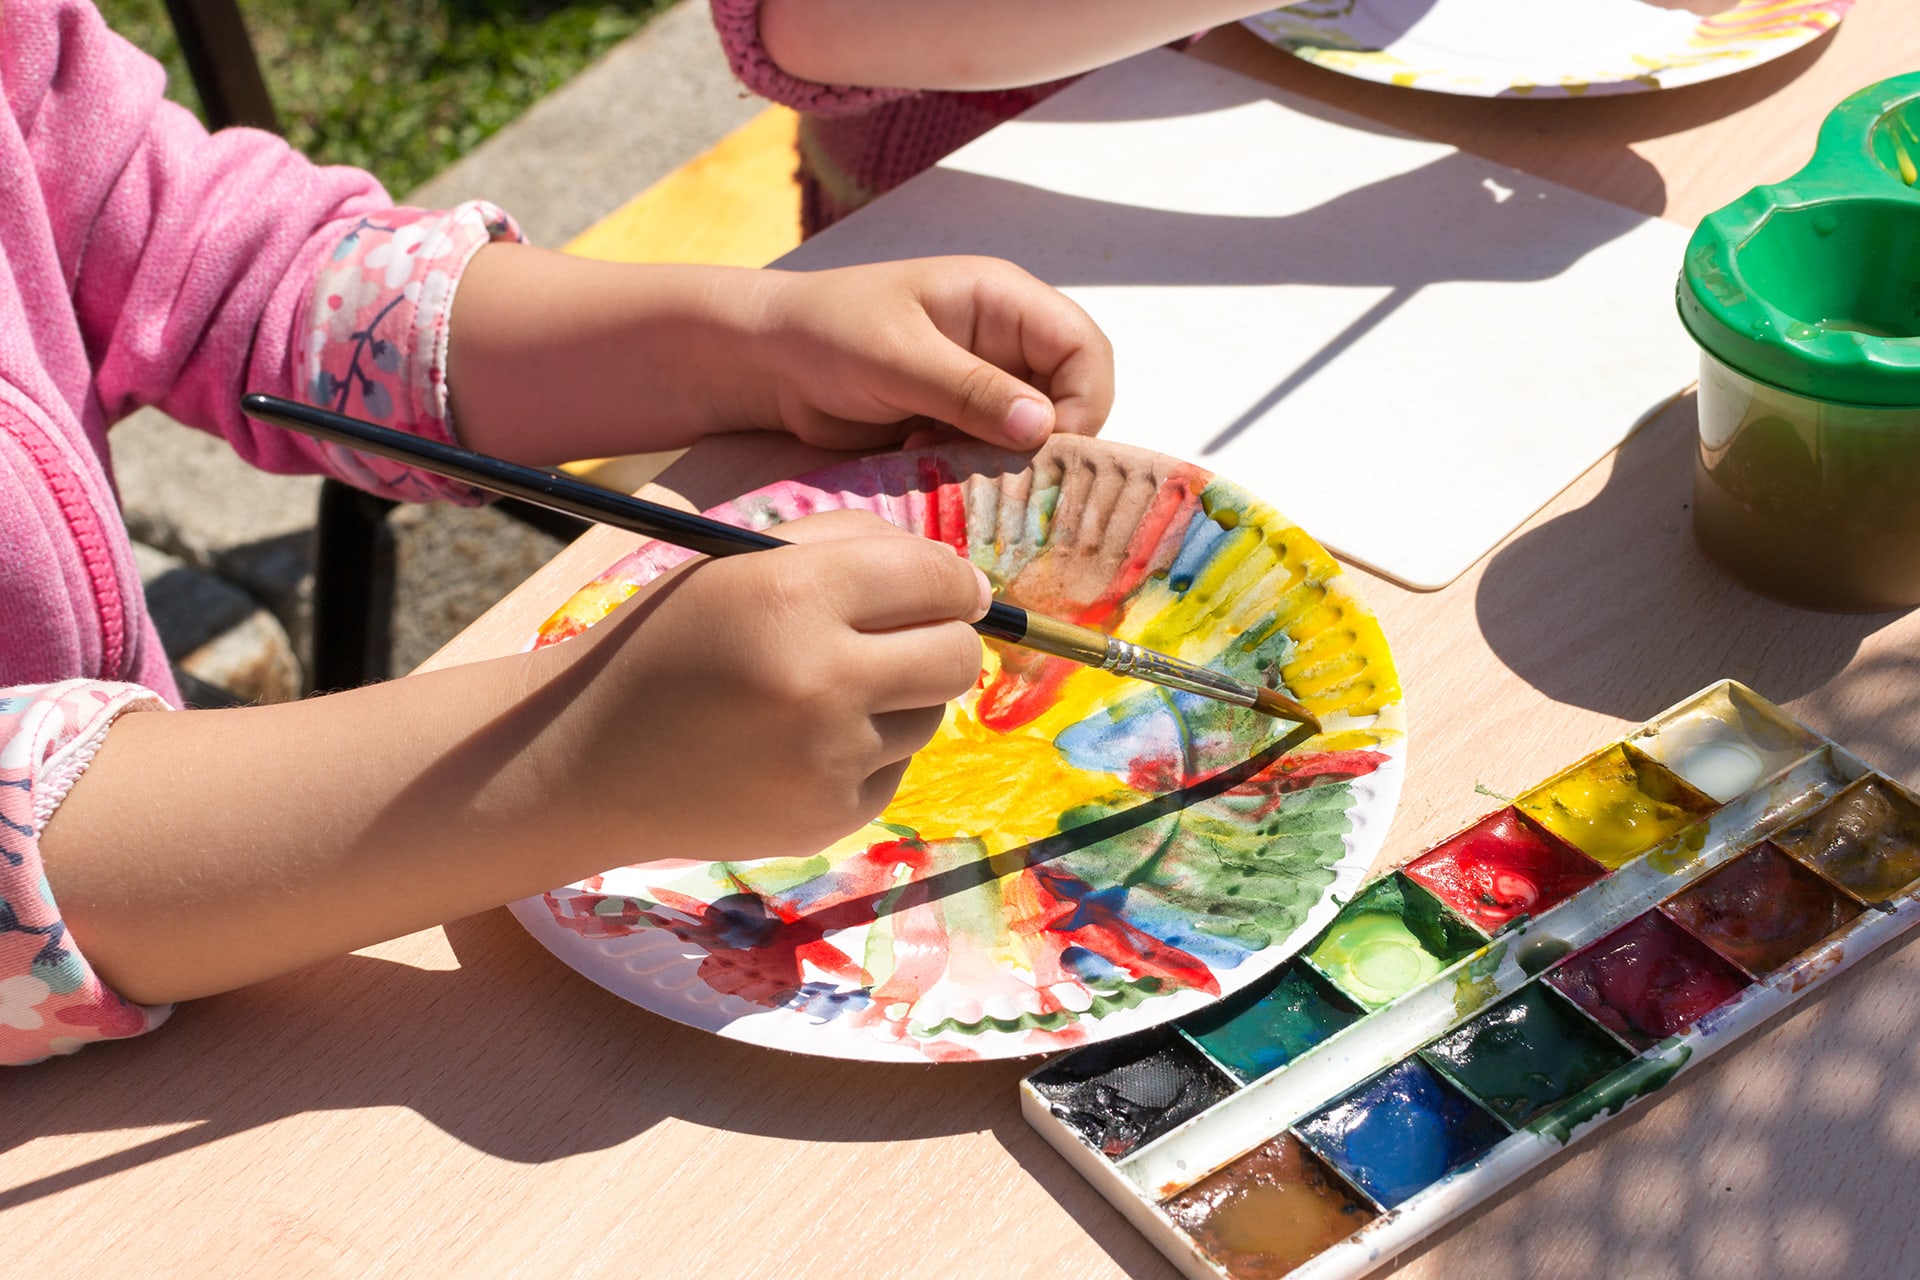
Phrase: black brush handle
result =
(554, 490)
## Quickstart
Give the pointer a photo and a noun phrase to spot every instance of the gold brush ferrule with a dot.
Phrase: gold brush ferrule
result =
(1109, 653)
(1146, 664)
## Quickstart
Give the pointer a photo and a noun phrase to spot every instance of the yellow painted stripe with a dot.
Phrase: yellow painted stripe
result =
(736, 205)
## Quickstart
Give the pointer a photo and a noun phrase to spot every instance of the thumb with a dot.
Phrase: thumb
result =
(950, 384)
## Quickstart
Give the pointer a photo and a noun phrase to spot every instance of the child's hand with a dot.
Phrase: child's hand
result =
(765, 704)
(755, 705)
(553, 357)
(864, 356)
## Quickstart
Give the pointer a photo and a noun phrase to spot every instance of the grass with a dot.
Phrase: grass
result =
(400, 87)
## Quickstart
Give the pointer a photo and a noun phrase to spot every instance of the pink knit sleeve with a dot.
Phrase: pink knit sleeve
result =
(197, 262)
(50, 1000)
(738, 22)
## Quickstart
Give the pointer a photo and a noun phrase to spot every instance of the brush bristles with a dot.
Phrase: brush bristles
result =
(1281, 707)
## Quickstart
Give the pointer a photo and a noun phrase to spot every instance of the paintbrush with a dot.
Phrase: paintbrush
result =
(559, 492)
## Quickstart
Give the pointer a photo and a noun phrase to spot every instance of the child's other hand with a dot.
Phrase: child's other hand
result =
(766, 704)
(864, 357)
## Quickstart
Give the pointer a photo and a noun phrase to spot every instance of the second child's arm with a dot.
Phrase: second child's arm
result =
(974, 44)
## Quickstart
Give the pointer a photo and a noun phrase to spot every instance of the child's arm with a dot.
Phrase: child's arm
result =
(193, 852)
(556, 357)
(969, 44)
(751, 706)
(210, 265)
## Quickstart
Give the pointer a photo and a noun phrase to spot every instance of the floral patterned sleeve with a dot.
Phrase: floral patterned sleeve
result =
(376, 336)
(51, 1002)
(374, 344)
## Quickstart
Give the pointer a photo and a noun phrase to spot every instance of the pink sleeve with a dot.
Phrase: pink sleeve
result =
(50, 1000)
(738, 22)
(202, 266)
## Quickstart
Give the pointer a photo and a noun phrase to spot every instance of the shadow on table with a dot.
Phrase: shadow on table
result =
(1131, 1251)
(512, 1053)
(1760, 1163)
(1614, 607)
(1456, 217)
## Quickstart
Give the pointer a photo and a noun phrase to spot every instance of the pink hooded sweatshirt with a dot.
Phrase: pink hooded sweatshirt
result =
(146, 262)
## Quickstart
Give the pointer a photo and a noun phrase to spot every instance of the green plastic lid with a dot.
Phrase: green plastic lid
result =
(1813, 284)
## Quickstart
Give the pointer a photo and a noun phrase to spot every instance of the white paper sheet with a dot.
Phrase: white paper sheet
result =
(1407, 349)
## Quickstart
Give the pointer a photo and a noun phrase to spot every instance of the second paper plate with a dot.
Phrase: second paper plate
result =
(1546, 48)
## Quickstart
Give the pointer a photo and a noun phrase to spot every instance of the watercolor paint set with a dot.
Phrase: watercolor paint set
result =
(1501, 995)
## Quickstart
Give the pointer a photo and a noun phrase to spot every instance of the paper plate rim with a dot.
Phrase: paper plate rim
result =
(1669, 69)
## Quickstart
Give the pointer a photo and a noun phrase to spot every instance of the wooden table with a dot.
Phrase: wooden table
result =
(458, 1103)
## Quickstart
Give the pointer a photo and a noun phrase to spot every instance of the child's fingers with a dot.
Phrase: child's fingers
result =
(884, 584)
(941, 380)
(877, 792)
(923, 666)
(1019, 322)
(1082, 386)
(1012, 360)
(898, 734)
(817, 427)
(840, 526)
(929, 434)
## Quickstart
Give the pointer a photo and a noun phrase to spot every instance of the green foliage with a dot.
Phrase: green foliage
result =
(401, 87)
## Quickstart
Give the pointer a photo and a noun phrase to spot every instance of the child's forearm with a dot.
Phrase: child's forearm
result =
(973, 44)
(205, 850)
(554, 357)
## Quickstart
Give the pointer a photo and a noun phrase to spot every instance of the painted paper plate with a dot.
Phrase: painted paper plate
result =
(1075, 855)
(1545, 48)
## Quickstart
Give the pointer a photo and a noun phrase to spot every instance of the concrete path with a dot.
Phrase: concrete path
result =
(226, 549)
